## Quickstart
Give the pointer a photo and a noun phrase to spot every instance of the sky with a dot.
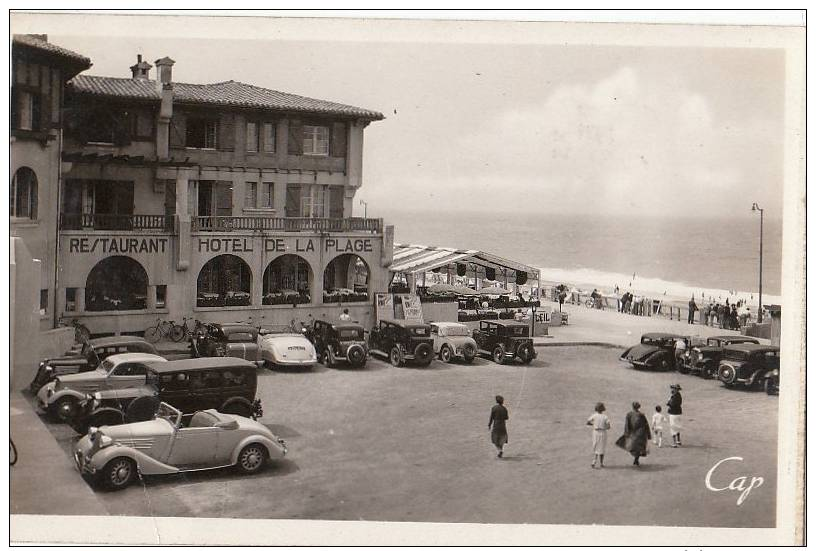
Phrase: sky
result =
(506, 127)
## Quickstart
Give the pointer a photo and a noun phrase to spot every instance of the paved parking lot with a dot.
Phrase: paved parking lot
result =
(411, 444)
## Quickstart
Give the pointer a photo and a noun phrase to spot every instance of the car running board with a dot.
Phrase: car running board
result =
(193, 468)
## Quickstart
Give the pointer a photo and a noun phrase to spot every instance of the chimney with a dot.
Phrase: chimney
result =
(164, 86)
(141, 71)
(165, 77)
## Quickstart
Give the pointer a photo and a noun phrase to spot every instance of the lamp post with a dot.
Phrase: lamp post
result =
(755, 208)
(365, 207)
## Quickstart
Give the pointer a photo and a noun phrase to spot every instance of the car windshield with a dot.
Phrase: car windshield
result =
(240, 337)
(454, 331)
(654, 341)
(350, 334)
(168, 413)
(737, 354)
(107, 365)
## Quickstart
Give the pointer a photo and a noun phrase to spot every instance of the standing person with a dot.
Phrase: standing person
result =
(692, 309)
(636, 434)
(600, 425)
(734, 318)
(706, 314)
(675, 410)
(345, 316)
(497, 425)
(658, 425)
(679, 352)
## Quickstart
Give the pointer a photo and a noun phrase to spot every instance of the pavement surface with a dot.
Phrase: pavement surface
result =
(411, 444)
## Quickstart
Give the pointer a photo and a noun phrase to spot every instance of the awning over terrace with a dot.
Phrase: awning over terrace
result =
(415, 261)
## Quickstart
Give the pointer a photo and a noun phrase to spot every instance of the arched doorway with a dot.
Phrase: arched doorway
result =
(224, 280)
(346, 279)
(287, 280)
(116, 283)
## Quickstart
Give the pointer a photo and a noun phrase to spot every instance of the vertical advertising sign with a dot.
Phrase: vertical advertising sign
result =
(411, 308)
(384, 306)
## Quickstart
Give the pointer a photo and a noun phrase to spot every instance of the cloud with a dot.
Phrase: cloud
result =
(626, 143)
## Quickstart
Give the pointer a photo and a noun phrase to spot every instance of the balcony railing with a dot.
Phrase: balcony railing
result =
(116, 222)
(262, 223)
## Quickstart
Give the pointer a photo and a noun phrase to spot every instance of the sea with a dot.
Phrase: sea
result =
(673, 256)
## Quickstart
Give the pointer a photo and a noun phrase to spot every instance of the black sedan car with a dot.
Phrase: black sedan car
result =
(747, 364)
(655, 351)
(704, 360)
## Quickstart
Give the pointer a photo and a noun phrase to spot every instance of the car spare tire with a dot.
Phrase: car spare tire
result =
(423, 354)
(356, 355)
(525, 352)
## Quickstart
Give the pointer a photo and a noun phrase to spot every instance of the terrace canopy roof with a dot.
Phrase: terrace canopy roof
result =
(414, 259)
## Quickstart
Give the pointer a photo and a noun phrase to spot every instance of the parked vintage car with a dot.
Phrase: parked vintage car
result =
(504, 341)
(704, 360)
(339, 342)
(226, 384)
(286, 346)
(772, 382)
(746, 364)
(655, 351)
(235, 340)
(453, 340)
(87, 357)
(172, 443)
(402, 341)
(61, 397)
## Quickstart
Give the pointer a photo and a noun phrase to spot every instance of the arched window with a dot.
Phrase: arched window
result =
(23, 194)
(225, 280)
(346, 279)
(116, 283)
(287, 280)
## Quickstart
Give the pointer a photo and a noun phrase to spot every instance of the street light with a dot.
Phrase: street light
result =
(755, 208)
(365, 205)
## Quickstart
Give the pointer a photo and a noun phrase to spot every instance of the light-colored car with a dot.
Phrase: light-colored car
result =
(453, 340)
(173, 443)
(282, 346)
(61, 397)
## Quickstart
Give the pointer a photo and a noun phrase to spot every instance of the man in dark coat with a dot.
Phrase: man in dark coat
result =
(497, 425)
(692, 310)
(636, 434)
(675, 410)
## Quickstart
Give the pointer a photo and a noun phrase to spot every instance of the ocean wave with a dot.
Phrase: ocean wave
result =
(674, 290)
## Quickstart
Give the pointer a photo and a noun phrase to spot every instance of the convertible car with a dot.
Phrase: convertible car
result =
(655, 351)
(173, 443)
(283, 346)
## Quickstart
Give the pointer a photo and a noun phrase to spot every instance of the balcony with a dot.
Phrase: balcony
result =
(263, 224)
(116, 222)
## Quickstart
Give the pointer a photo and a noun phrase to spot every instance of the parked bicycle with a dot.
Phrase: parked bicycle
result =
(81, 333)
(165, 329)
(186, 330)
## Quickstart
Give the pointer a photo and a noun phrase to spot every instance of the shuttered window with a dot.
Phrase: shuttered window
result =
(269, 137)
(292, 200)
(252, 137)
(201, 133)
(316, 140)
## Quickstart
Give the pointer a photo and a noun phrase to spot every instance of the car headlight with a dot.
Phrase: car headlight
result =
(48, 369)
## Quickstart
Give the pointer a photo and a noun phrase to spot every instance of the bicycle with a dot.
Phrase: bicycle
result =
(81, 333)
(12, 452)
(184, 331)
(162, 329)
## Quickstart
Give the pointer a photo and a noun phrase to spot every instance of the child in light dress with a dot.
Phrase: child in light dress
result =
(658, 425)
(600, 426)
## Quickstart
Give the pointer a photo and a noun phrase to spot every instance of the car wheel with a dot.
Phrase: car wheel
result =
(770, 387)
(119, 473)
(65, 408)
(445, 354)
(665, 365)
(683, 368)
(498, 354)
(326, 359)
(708, 372)
(469, 353)
(252, 458)
(237, 408)
(395, 356)
(525, 353)
(727, 375)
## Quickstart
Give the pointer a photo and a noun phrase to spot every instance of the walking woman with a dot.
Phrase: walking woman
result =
(636, 434)
(600, 424)
(497, 425)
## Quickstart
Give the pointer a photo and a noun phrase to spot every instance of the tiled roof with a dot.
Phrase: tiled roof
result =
(39, 44)
(230, 93)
